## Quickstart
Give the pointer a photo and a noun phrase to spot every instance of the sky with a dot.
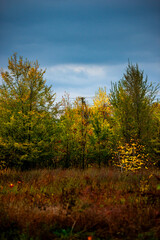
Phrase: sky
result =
(82, 44)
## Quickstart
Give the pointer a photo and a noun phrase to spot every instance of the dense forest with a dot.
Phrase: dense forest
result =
(121, 128)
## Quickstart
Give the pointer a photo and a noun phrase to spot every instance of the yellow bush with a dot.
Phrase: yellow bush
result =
(131, 157)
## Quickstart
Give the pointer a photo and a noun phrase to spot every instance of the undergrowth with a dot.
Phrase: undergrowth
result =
(75, 204)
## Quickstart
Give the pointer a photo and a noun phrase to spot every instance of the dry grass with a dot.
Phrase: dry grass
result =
(75, 204)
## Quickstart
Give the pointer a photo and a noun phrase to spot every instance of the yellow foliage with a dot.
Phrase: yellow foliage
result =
(144, 185)
(101, 102)
(129, 157)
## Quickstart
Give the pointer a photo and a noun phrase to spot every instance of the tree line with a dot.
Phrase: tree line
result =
(122, 126)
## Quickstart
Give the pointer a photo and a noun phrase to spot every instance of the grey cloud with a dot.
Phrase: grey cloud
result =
(74, 31)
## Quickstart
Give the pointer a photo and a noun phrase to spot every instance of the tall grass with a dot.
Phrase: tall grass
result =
(74, 204)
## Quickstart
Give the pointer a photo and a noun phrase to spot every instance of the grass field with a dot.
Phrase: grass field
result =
(75, 204)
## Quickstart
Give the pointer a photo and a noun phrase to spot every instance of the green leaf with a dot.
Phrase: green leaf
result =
(158, 187)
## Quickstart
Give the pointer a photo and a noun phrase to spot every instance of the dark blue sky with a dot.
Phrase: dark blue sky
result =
(83, 44)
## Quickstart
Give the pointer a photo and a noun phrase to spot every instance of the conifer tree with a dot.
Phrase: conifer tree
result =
(132, 99)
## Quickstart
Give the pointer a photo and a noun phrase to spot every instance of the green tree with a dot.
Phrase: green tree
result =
(73, 133)
(101, 135)
(155, 140)
(28, 113)
(132, 100)
(66, 133)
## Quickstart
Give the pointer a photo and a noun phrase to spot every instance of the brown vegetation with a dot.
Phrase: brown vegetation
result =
(76, 204)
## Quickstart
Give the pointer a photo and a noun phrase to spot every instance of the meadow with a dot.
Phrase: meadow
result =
(89, 204)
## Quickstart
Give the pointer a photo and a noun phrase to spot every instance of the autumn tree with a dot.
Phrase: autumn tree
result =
(65, 138)
(73, 133)
(86, 134)
(28, 113)
(84, 122)
(101, 134)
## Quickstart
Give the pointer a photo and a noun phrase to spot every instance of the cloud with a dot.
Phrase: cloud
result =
(69, 31)
(76, 74)
(82, 79)
(85, 79)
